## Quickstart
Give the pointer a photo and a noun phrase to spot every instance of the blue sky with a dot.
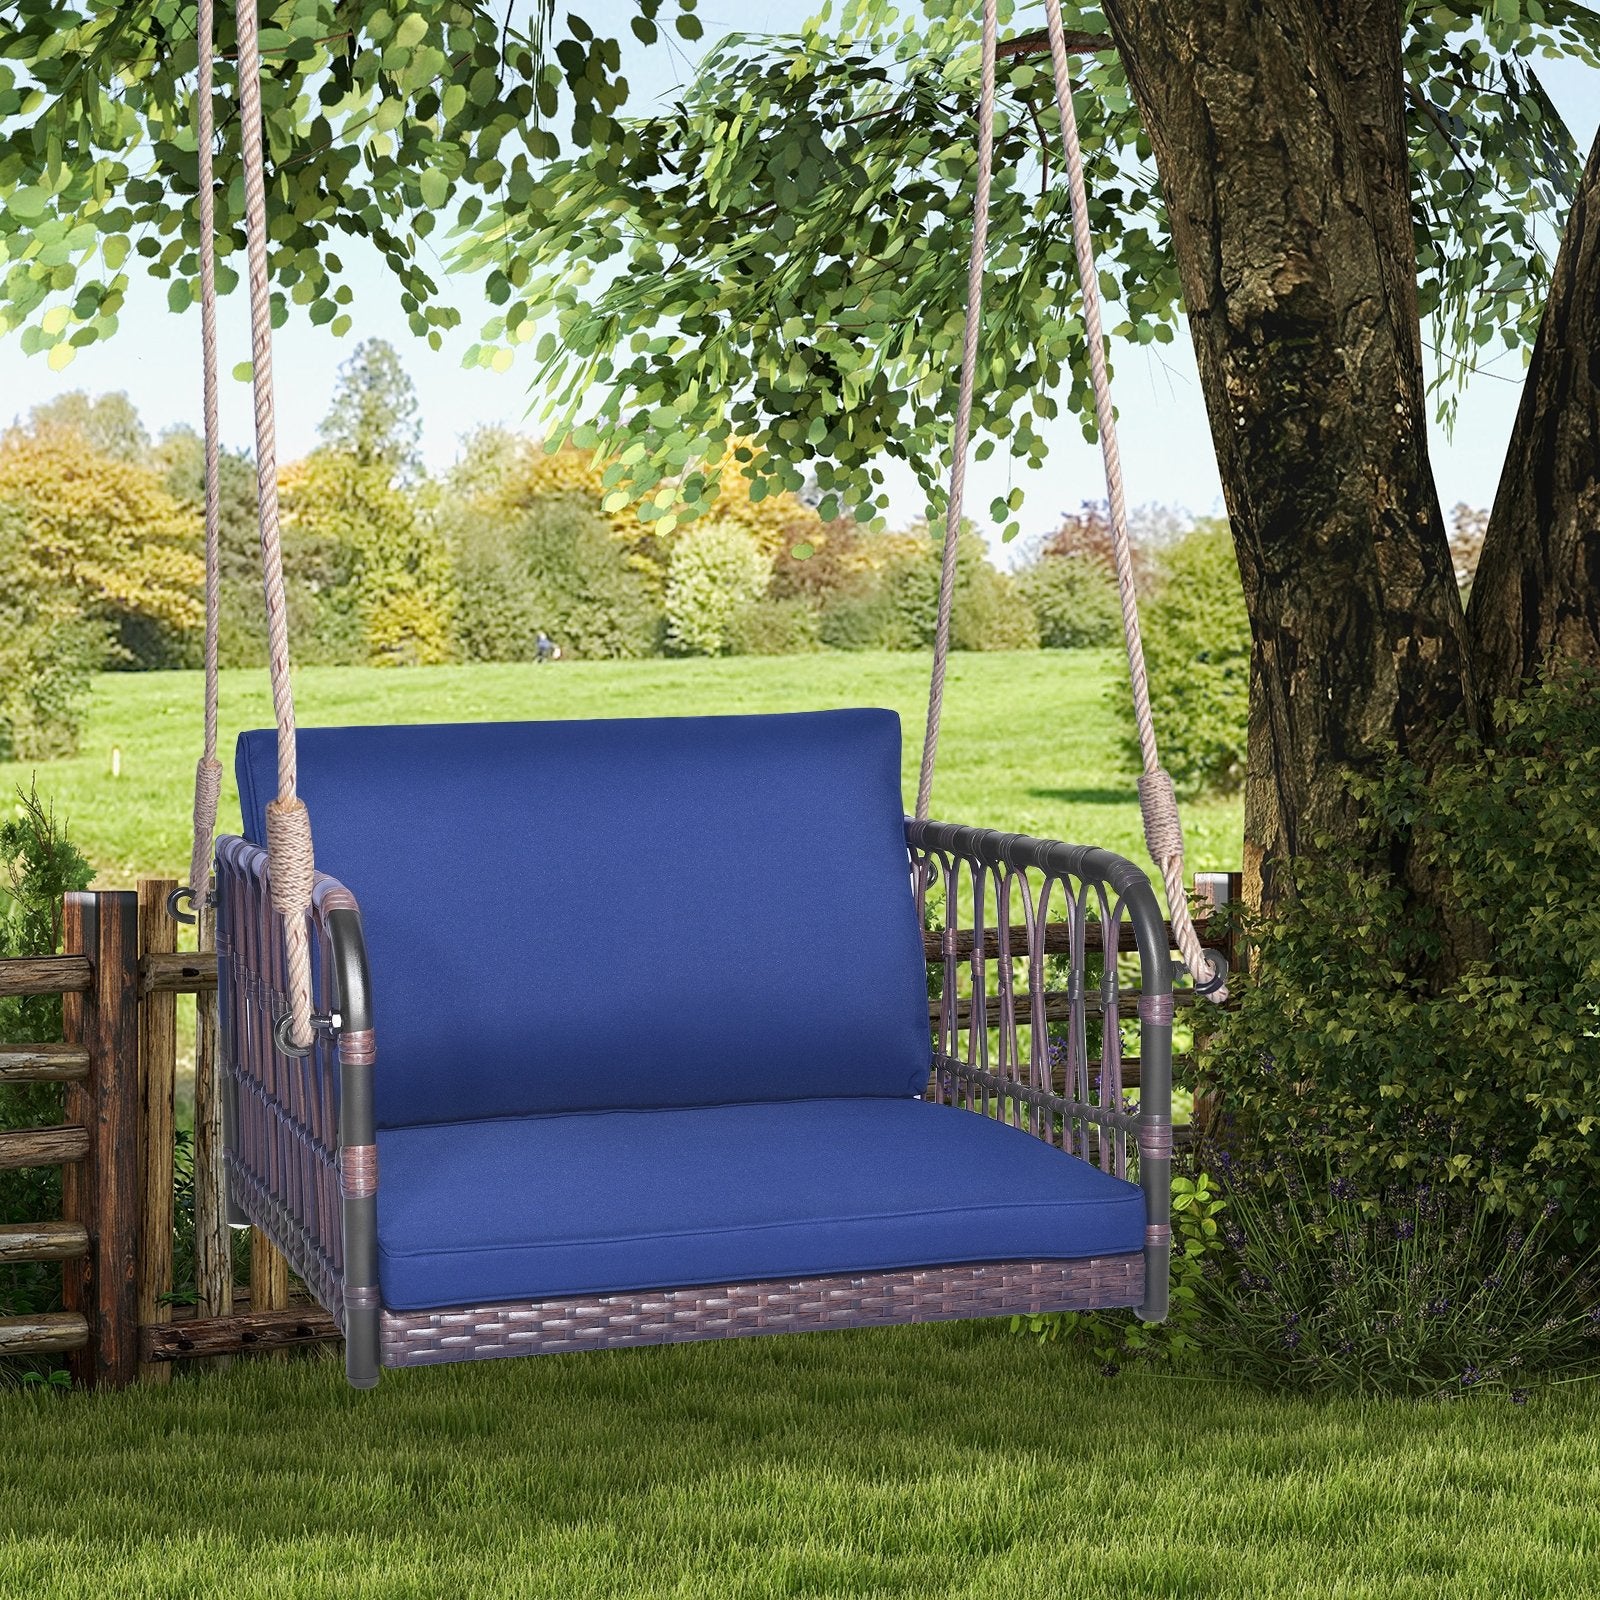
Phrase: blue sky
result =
(1166, 443)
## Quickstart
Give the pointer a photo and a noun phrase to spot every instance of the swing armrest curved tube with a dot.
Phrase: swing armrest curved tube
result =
(999, 886)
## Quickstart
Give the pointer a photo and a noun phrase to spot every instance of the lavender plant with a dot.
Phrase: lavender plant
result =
(1417, 1290)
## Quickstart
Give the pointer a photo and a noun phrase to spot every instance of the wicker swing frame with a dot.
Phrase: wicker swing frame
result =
(1014, 1037)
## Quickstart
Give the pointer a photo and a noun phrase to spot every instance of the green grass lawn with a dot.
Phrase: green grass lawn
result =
(1029, 741)
(930, 1462)
(953, 1461)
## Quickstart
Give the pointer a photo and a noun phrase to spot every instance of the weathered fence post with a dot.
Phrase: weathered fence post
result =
(269, 1274)
(102, 1191)
(158, 1076)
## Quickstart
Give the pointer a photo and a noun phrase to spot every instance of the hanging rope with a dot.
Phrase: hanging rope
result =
(1163, 831)
(208, 771)
(1158, 804)
(289, 852)
(969, 363)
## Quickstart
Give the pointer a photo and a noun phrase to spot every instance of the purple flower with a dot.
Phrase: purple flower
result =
(1405, 1228)
(1469, 1377)
(1291, 1339)
(1439, 1307)
(1519, 1397)
(1342, 1189)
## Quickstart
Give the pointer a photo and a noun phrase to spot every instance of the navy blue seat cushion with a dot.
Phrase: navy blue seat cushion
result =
(588, 1203)
(628, 913)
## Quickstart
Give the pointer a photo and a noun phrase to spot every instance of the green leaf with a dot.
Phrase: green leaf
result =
(27, 204)
(412, 30)
(435, 188)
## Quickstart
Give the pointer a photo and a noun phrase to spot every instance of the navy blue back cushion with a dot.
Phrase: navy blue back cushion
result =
(633, 913)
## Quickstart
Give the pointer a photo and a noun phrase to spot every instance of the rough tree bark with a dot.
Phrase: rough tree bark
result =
(1536, 597)
(1278, 133)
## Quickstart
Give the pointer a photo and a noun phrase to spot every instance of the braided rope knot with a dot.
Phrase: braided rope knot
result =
(289, 857)
(1158, 805)
(207, 791)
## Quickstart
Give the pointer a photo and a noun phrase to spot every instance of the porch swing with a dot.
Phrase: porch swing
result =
(659, 1061)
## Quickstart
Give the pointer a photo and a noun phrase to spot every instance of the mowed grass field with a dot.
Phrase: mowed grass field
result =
(927, 1462)
(1029, 739)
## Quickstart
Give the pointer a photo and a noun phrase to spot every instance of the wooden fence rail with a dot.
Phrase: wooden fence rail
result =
(119, 977)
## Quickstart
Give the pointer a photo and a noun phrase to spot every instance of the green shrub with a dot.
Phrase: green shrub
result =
(910, 585)
(38, 866)
(774, 628)
(990, 612)
(1116, 1337)
(556, 566)
(715, 571)
(49, 653)
(1413, 1291)
(1074, 602)
(587, 596)
(899, 610)
(1351, 1036)
(868, 621)
(1197, 646)
(495, 618)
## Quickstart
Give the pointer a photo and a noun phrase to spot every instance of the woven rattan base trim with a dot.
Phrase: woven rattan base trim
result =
(732, 1311)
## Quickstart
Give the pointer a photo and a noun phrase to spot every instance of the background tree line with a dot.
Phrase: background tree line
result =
(101, 545)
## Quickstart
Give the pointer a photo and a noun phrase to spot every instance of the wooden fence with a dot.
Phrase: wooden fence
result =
(119, 976)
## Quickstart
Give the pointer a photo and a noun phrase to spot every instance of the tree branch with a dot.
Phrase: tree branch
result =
(1038, 44)
(1536, 597)
(1431, 112)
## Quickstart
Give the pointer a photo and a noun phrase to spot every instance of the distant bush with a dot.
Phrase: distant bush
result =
(771, 627)
(1074, 602)
(49, 653)
(896, 607)
(495, 618)
(102, 535)
(1197, 646)
(868, 621)
(356, 541)
(554, 565)
(715, 571)
(990, 612)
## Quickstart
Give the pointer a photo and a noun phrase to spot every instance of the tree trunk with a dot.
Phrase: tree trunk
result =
(1279, 137)
(1536, 597)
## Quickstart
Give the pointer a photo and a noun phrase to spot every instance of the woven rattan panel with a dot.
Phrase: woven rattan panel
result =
(731, 1311)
